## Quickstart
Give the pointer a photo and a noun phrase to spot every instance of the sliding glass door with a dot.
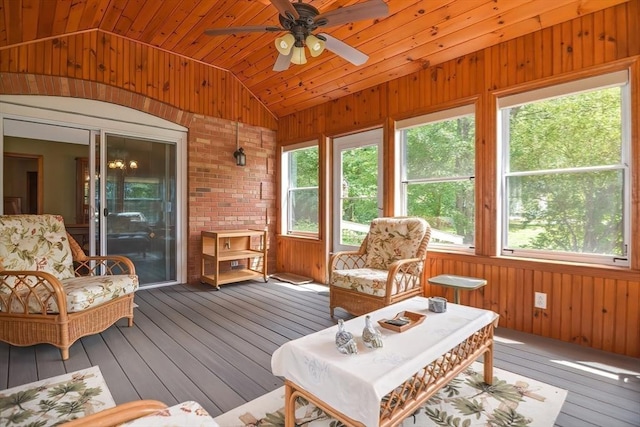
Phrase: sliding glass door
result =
(139, 205)
(116, 175)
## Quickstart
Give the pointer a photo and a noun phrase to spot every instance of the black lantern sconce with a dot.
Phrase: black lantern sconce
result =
(241, 158)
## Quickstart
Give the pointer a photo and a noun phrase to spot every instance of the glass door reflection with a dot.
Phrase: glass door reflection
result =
(139, 214)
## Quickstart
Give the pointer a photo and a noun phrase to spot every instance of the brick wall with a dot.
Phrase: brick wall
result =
(221, 194)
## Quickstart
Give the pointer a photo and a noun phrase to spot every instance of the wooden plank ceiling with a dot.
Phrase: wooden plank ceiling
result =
(416, 34)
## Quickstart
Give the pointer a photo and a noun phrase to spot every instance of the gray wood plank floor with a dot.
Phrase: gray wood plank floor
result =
(193, 343)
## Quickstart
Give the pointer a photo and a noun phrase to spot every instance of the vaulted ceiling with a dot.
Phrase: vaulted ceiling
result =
(416, 34)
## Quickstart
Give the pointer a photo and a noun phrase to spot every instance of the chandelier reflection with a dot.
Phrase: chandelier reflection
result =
(123, 165)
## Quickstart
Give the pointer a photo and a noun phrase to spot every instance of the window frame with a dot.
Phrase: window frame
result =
(402, 182)
(504, 103)
(285, 190)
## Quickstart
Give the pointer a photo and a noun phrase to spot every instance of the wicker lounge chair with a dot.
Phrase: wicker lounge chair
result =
(49, 296)
(386, 269)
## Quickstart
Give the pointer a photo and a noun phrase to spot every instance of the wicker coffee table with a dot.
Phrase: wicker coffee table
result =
(381, 387)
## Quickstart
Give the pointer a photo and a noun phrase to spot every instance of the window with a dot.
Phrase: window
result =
(565, 173)
(437, 174)
(300, 196)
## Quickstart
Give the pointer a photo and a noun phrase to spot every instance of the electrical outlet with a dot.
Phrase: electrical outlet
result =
(234, 264)
(540, 300)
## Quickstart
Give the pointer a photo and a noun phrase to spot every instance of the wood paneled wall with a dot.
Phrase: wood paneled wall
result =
(308, 257)
(103, 57)
(599, 308)
(596, 307)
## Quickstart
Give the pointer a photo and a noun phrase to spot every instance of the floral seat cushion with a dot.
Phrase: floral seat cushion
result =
(392, 239)
(89, 291)
(369, 281)
(82, 293)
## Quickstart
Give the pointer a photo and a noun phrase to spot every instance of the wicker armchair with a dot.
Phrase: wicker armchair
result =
(44, 297)
(386, 269)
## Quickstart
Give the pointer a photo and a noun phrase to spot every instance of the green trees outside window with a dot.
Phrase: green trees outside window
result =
(565, 174)
(438, 184)
(302, 196)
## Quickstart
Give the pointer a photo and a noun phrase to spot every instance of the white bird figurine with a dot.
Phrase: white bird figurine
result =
(370, 334)
(344, 340)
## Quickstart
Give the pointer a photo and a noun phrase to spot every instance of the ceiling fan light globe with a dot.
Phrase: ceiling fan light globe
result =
(298, 56)
(315, 45)
(285, 43)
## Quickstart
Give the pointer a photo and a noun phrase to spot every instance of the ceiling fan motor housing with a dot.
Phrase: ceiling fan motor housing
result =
(304, 25)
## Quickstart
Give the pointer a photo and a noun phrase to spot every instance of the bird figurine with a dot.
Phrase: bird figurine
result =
(344, 340)
(370, 334)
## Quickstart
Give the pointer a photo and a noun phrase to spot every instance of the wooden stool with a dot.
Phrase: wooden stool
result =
(457, 283)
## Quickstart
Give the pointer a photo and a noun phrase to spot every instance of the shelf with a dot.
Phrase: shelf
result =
(232, 233)
(234, 255)
(231, 276)
(233, 245)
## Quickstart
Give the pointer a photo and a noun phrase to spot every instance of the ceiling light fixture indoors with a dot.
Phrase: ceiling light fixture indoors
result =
(300, 20)
(316, 45)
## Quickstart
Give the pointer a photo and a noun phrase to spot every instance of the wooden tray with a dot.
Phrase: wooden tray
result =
(414, 319)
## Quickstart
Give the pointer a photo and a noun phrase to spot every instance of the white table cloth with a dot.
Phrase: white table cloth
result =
(355, 384)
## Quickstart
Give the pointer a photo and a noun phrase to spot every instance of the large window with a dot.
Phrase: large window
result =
(300, 196)
(437, 174)
(565, 171)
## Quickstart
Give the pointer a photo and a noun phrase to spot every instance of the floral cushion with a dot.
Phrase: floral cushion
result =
(392, 239)
(89, 291)
(82, 293)
(35, 242)
(370, 281)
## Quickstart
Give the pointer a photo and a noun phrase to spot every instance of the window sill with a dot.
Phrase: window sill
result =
(575, 268)
(307, 237)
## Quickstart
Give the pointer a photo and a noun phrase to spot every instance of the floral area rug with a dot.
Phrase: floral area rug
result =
(512, 400)
(55, 400)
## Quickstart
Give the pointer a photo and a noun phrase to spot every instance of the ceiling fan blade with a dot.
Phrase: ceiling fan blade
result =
(357, 12)
(283, 62)
(247, 29)
(342, 49)
(286, 9)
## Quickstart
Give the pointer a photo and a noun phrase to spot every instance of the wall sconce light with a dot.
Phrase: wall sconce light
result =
(241, 158)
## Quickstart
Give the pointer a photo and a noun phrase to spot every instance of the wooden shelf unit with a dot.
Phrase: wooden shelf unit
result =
(248, 247)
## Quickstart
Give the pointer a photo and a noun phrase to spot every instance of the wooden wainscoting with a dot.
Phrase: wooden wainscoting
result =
(594, 307)
(306, 257)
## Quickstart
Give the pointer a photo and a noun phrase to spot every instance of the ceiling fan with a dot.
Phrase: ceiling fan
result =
(300, 20)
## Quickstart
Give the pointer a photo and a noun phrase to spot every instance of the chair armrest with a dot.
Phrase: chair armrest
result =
(119, 414)
(32, 290)
(405, 267)
(346, 260)
(113, 264)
